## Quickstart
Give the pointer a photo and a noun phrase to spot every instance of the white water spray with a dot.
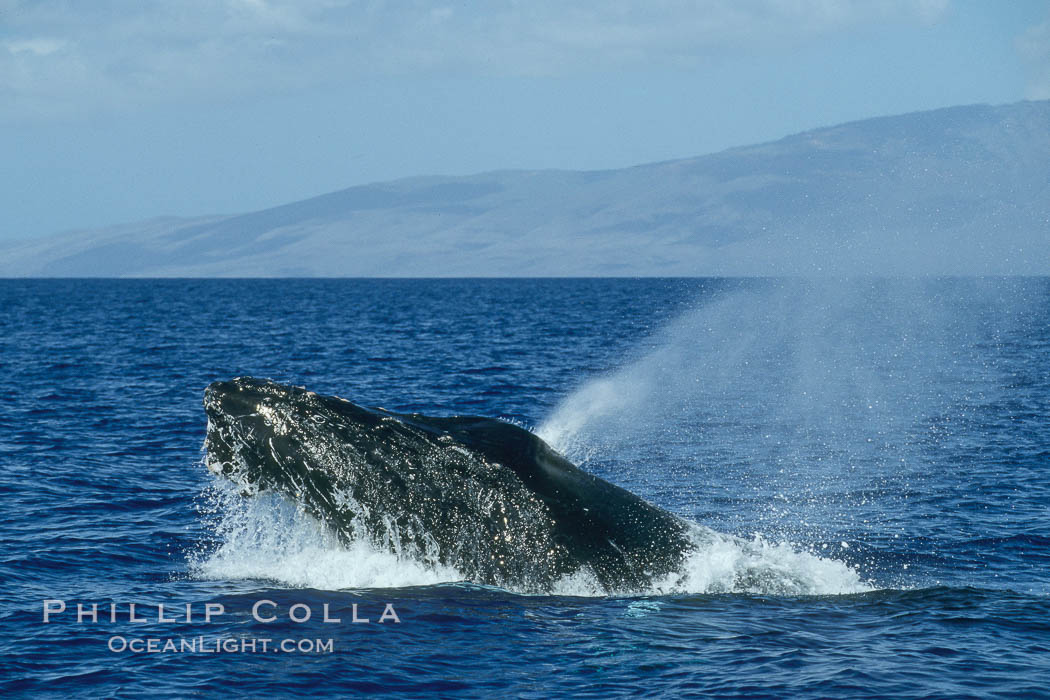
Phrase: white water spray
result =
(791, 391)
(265, 537)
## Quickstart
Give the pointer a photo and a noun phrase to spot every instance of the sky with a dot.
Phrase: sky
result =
(115, 111)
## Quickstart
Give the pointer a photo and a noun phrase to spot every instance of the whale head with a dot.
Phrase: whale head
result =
(257, 430)
(484, 496)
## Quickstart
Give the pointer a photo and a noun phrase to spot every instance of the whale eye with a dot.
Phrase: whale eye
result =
(317, 418)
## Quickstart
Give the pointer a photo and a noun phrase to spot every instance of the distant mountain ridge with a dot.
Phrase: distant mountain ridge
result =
(961, 190)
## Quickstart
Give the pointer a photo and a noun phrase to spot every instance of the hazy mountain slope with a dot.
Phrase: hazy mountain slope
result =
(959, 190)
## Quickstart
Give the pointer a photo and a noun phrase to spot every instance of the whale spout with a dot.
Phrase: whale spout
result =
(484, 496)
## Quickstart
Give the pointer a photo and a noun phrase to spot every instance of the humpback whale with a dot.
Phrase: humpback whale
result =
(484, 496)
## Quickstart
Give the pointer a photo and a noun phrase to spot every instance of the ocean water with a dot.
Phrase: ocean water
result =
(871, 458)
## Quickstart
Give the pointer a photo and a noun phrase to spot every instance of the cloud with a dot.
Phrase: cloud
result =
(1034, 47)
(58, 57)
(41, 46)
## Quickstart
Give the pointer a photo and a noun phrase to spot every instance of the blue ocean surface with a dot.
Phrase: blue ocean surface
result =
(873, 454)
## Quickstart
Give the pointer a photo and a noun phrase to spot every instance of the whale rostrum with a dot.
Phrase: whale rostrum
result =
(481, 495)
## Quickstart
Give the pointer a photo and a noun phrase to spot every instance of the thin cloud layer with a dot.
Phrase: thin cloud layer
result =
(58, 58)
(1034, 47)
